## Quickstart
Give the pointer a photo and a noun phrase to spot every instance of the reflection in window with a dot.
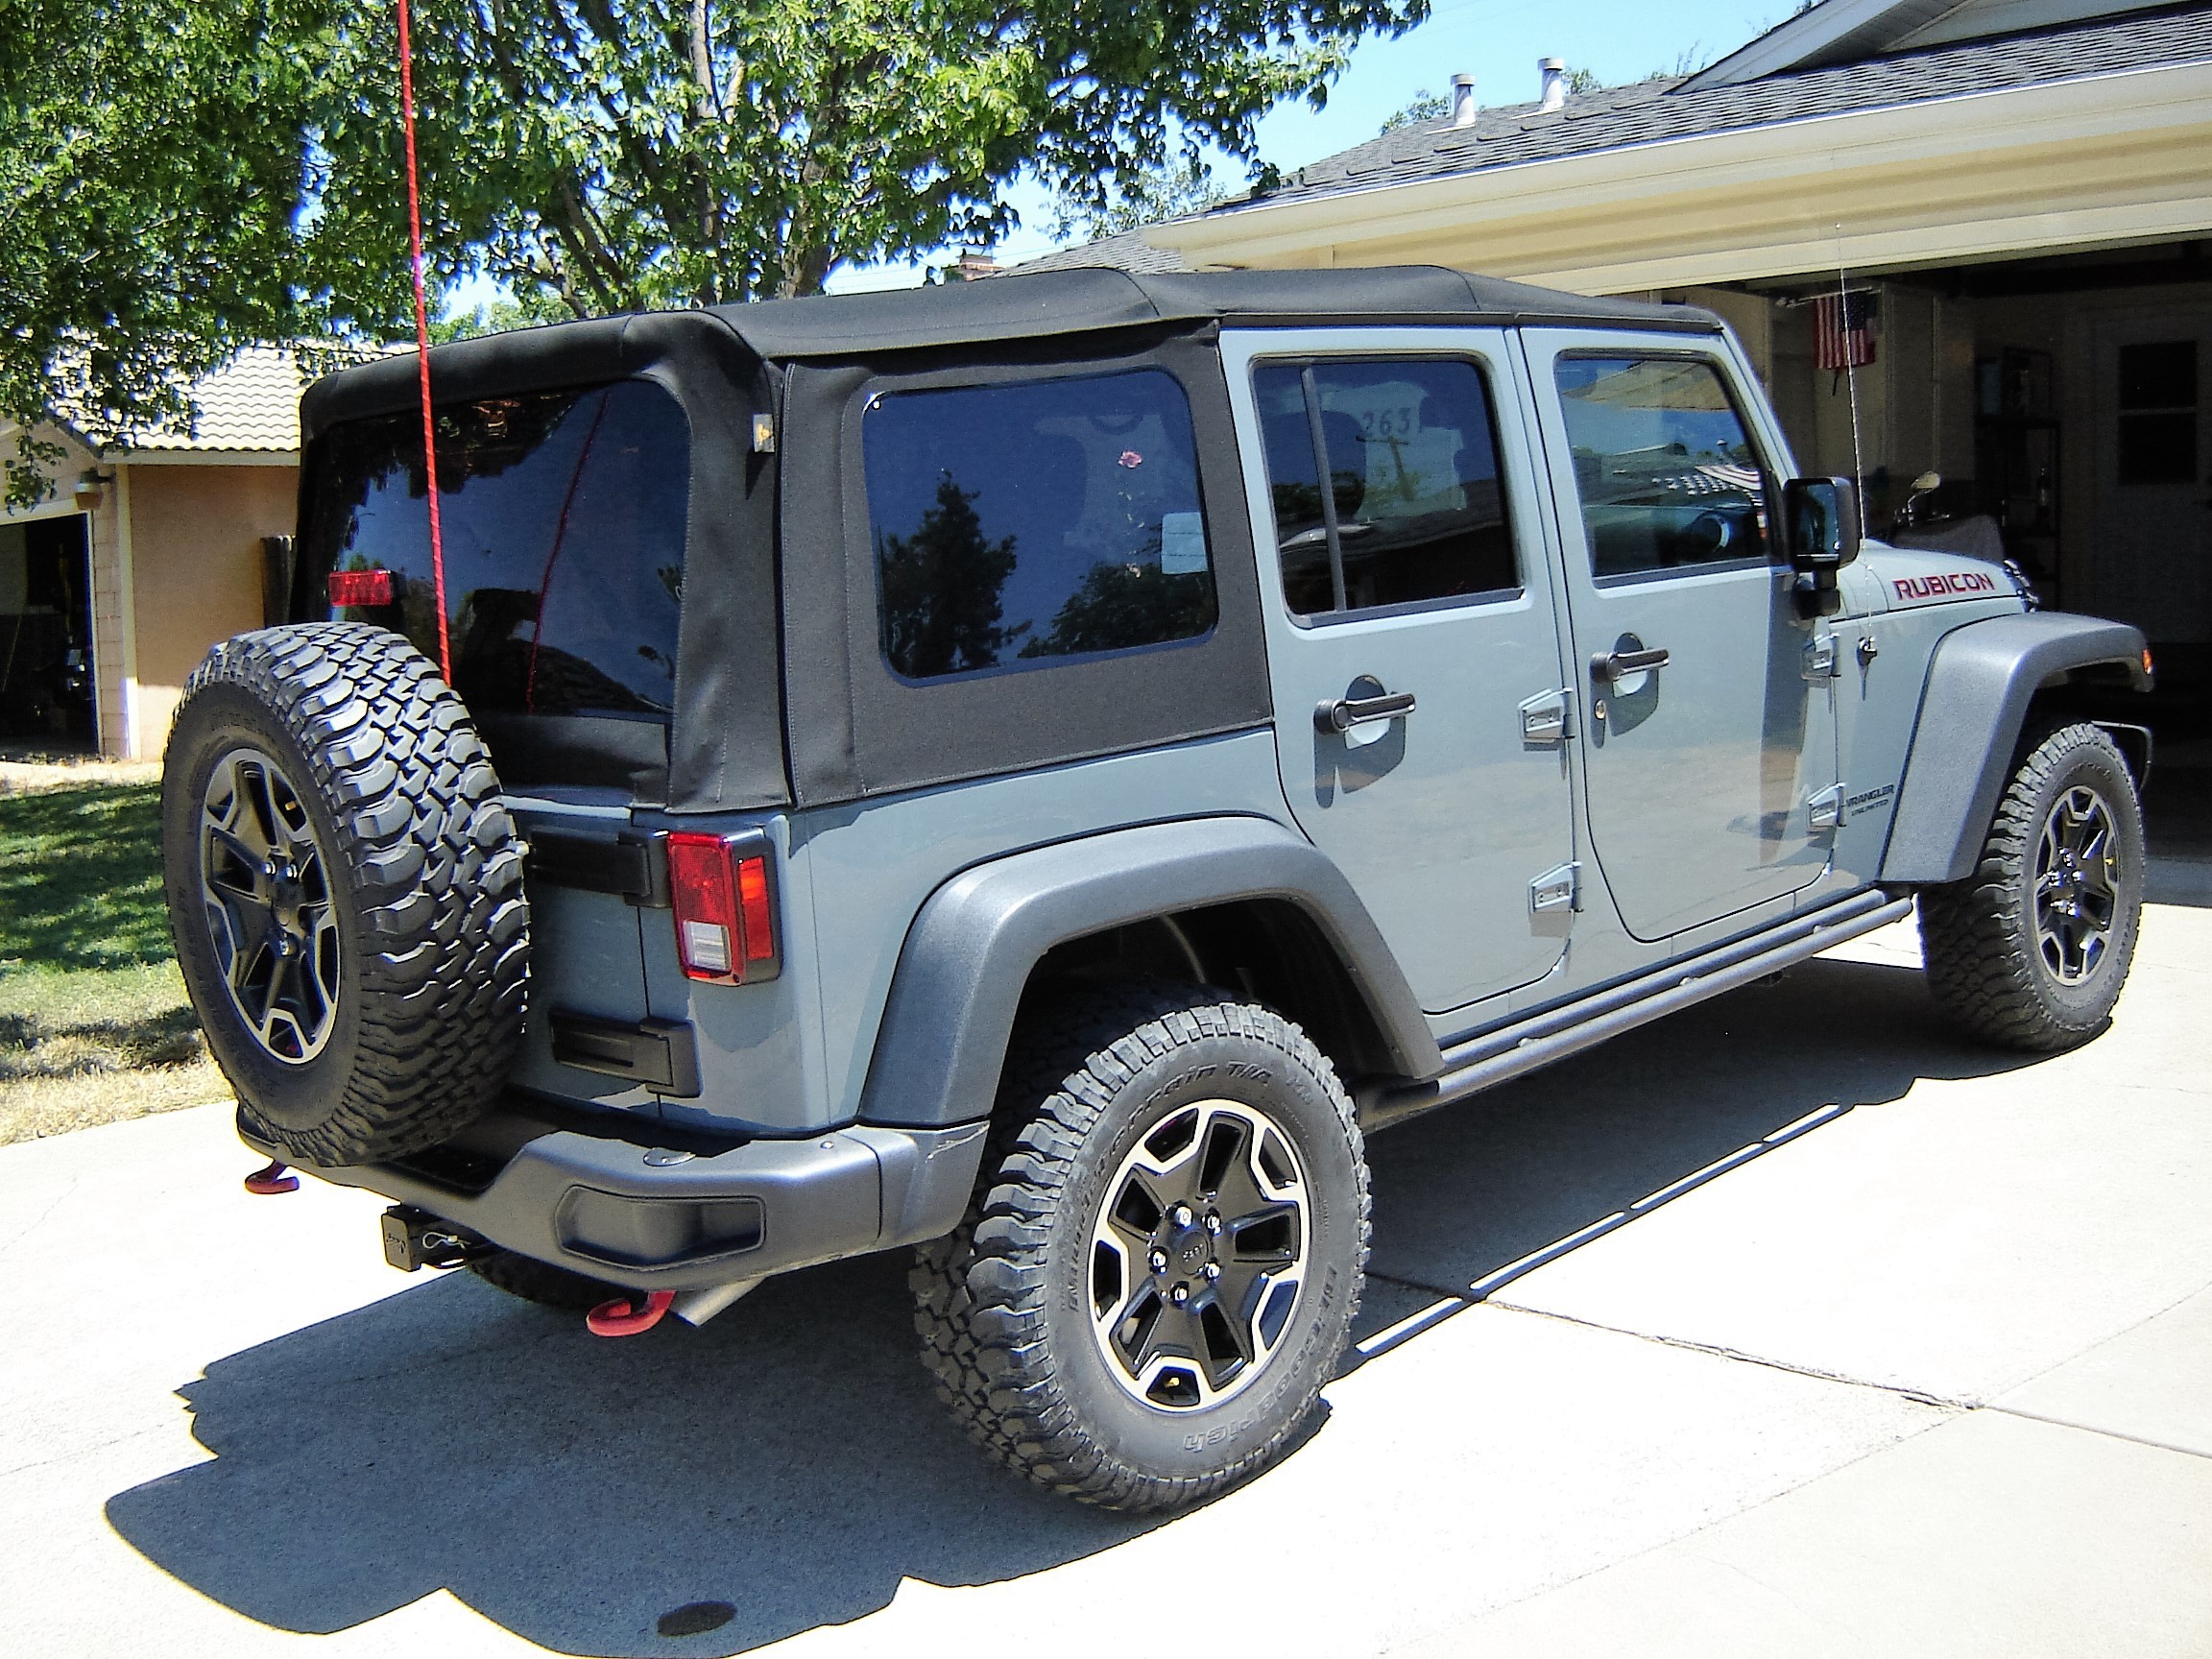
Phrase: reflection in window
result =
(1035, 520)
(563, 515)
(1665, 471)
(1414, 511)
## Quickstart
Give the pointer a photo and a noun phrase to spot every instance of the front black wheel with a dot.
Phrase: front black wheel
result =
(2033, 949)
(1165, 1253)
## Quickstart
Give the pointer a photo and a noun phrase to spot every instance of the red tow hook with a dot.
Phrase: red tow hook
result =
(625, 1317)
(274, 1179)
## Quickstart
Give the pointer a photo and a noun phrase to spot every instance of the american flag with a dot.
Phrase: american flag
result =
(1844, 323)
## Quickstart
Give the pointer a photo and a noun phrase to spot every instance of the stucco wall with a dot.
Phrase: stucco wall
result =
(196, 567)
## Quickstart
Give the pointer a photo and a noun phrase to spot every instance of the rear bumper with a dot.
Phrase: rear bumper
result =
(686, 1223)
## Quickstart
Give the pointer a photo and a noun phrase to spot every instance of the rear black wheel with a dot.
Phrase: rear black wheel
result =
(1165, 1253)
(2033, 949)
(345, 890)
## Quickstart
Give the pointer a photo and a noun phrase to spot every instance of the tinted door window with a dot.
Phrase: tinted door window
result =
(563, 516)
(1413, 511)
(1665, 470)
(1016, 524)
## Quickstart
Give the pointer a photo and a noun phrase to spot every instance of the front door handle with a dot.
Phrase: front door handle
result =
(1339, 714)
(1611, 665)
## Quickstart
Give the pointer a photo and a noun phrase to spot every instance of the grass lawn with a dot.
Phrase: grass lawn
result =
(94, 1026)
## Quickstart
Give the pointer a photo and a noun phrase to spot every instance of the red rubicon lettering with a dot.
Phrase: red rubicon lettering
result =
(1944, 582)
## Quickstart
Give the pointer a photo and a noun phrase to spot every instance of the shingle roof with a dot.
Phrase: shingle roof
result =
(1127, 250)
(1653, 111)
(250, 404)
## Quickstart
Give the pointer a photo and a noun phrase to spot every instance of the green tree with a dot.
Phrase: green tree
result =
(1184, 186)
(150, 165)
(1423, 107)
(591, 155)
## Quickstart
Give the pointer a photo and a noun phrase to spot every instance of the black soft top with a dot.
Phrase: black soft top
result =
(781, 691)
(1040, 307)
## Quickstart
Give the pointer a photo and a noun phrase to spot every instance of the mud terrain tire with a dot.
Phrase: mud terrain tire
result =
(345, 890)
(1019, 1309)
(2031, 949)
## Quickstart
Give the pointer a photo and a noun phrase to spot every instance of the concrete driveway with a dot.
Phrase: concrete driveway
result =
(1922, 1369)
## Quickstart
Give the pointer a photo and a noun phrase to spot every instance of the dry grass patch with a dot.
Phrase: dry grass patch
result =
(94, 1025)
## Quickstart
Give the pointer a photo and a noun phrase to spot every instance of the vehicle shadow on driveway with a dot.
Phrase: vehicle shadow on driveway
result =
(1466, 1192)
(789, 1459)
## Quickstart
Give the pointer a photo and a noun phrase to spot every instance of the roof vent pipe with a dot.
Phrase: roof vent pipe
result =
(1462, 99)
(1555, 71)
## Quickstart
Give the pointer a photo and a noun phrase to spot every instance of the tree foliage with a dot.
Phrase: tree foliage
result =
(150, 168)
(182, 176)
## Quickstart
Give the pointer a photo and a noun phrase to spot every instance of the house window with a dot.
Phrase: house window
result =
(2158, 413)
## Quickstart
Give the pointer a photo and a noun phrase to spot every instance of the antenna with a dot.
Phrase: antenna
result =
(1850, 370)
(422, 342)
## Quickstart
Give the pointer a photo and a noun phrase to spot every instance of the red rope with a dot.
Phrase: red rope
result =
(559, 536)
(422, 342)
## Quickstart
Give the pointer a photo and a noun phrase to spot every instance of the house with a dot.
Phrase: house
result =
(2016, 194)
(141, 557)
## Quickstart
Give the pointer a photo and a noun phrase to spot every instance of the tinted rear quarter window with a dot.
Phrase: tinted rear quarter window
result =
(562, 518)
(1023, 521)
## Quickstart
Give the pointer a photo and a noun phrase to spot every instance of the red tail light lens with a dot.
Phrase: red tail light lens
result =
(725, 911)
(364, 587)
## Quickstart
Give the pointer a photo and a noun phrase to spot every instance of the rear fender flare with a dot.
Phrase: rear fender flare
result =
(969, 954)
(1981, 680)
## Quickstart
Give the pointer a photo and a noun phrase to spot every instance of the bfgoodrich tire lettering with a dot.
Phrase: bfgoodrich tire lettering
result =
(2031, 949)
(416, 879)
(1005, 1304)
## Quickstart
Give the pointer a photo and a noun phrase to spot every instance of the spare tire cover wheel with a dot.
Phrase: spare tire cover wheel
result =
(345, 890)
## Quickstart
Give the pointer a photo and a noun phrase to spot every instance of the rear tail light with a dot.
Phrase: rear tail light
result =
(364, 587)
(725, 911)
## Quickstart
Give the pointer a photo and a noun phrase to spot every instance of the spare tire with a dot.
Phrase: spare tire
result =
(345, 890)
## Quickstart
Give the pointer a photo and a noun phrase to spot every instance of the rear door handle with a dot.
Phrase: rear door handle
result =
(1341, 713)
(1611, 665)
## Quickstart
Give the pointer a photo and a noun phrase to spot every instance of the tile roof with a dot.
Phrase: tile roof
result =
(1652, 111)
(250, 404)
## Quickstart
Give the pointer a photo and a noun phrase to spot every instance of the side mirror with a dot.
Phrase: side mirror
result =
(1820, 526)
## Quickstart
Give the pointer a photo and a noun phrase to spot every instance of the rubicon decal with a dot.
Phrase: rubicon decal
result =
(1944, 583)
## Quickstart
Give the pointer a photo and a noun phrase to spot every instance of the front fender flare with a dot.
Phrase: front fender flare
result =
(961, 972)
(1981, 679)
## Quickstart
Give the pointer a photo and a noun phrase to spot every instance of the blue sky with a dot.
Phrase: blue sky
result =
(1498, 41)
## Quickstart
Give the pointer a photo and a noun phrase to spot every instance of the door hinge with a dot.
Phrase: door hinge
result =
(1558, 889)
(1826, 809)
(1547, 718)
(1821, 656)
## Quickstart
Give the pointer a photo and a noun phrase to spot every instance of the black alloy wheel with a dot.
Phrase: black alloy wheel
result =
(1198, 1254)
(265, 895)
(2077, 885)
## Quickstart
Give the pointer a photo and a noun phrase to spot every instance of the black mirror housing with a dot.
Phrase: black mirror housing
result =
(1820, 526)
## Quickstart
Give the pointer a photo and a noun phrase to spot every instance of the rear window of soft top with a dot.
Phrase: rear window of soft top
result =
(563, 516)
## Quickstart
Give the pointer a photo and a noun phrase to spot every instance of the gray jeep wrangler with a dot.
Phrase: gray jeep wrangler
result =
(1031, 771)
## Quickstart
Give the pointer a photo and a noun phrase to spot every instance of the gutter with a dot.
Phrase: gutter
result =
(1811, 154)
